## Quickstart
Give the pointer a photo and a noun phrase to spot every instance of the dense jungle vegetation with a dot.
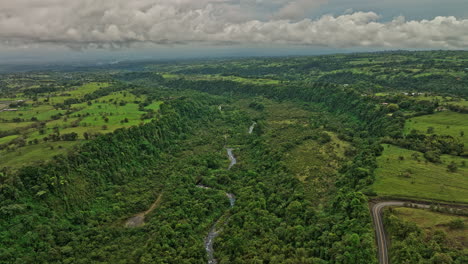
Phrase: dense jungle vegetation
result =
(83, 152)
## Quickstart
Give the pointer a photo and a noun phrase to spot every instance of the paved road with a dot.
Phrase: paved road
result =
(379, 227)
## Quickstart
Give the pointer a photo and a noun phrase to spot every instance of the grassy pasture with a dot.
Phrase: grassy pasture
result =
(443, 99)
(34, 153)
(444, 123)
(41, 112)
(410, 178)
(7, 139)
(76, 92)
(115, 113)
(103, 115)
(12, 126)
(154, 106)
(431, 221)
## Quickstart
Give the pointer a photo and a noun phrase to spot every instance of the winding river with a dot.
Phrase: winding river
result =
(214, 231)
(231, 158)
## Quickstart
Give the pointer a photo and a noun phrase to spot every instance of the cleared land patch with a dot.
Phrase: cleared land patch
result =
(401, 175)
(432, 221)
(443, 123)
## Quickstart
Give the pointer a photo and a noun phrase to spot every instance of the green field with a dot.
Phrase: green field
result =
(34, 123)
(461, 102)
(444, 123)
(443, 100)
(77, 92)
(419, 180)
(431, 221)
(41, 112)
(6, 126)
(7, 139)
(32, 154)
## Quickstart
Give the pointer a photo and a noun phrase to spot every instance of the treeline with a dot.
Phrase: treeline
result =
(134, 76)
(411, 244)
(431, 145)
(49, 211)
(40, 90)
(436, 83)
(409, 104)
(346, 77)
(431, 82)
(457, 108)
(374, 121)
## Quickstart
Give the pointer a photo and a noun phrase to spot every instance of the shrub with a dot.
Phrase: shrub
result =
(457, 224)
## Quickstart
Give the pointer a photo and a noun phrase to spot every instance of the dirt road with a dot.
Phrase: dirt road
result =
(139, 219)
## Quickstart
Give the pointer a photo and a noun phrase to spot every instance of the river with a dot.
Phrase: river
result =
(214, 231)
(251, 128)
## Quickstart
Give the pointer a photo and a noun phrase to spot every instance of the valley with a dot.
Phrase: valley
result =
(260, 160)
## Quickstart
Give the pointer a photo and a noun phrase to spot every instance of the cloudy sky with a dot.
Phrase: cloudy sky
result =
(74, 29)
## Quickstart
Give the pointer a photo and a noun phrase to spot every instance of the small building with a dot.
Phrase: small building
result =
(441, 109)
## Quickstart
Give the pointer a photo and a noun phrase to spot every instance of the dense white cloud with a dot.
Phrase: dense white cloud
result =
(90, 23)
(297, 9)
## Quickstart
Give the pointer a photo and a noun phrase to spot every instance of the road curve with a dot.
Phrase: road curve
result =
(380, 235)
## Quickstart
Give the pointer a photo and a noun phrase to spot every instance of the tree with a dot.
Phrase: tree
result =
(452, 167)
(69, 137)
(441, 258)
(415, 156)
(432, 156)
(393, 107)
(457, 224)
